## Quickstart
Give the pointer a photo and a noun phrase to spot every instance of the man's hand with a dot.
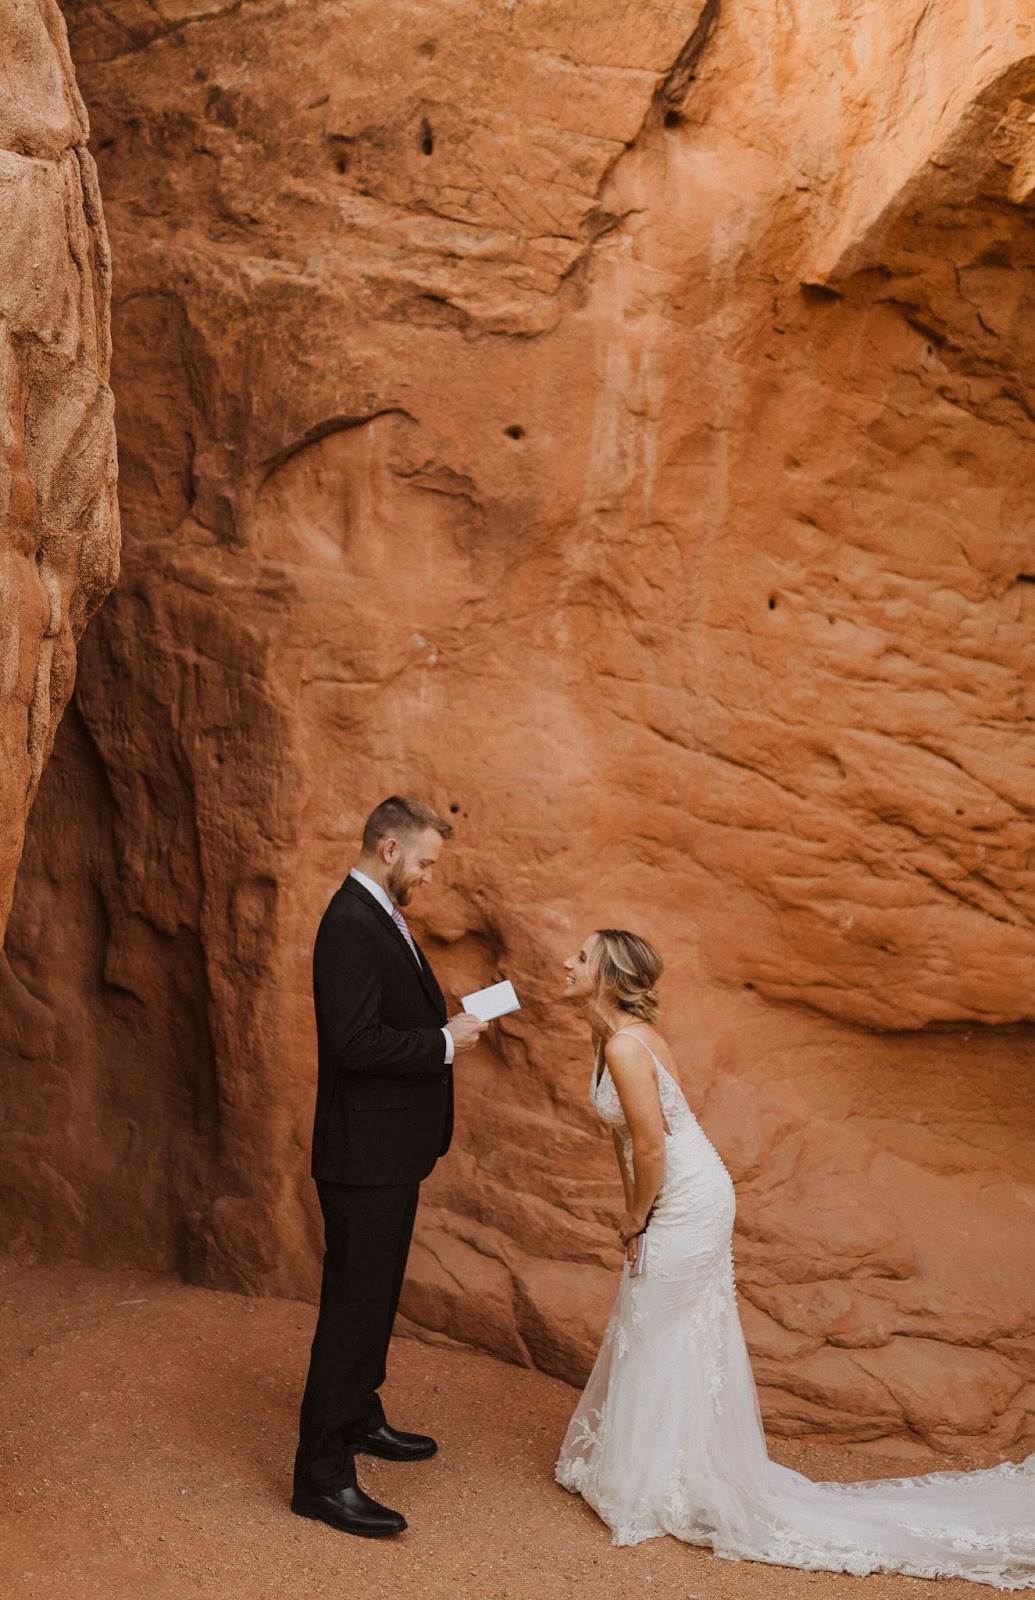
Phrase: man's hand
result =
(466, 1030)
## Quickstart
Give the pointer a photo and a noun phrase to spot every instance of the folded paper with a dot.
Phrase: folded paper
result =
(495, 1001)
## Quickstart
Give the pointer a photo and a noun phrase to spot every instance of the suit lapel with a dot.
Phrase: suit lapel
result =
(424, 972)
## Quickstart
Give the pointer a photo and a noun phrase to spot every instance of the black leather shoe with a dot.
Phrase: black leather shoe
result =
(395, 1446)
(351, 1511)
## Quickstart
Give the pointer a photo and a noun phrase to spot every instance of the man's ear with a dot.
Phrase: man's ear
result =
(389, 850)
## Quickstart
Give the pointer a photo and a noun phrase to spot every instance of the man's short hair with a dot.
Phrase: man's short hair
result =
(399, 817)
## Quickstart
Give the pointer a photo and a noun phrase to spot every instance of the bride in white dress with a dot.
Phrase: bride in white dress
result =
(667, 1437)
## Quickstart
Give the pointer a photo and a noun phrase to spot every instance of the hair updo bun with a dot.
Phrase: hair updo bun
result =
(627, 970)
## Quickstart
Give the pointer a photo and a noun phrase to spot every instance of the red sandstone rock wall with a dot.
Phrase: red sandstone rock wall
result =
(59, 529)
(616, 425)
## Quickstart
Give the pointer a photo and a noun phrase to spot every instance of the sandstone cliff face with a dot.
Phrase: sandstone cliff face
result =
(59, 527)
(613, 424)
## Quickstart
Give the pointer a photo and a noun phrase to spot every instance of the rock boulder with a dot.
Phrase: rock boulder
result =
(614, 425)
(59, 525)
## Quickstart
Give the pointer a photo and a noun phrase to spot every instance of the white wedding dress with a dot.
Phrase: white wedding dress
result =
(667, 1437)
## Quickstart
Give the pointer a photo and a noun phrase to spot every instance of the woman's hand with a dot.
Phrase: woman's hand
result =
(629, 1230)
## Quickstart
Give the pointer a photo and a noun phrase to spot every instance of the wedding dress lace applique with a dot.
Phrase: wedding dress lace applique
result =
(668, 1438)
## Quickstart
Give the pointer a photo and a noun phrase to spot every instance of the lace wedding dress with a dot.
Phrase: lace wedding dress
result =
(667, 1437)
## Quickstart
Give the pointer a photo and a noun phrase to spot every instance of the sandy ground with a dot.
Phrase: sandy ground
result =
(147, 1437)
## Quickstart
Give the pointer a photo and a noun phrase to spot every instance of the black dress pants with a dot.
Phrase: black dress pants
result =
(367, 1233)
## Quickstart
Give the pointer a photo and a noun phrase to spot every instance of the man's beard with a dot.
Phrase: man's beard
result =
(398, 886)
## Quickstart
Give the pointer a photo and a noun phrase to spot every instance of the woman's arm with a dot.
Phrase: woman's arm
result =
(633, 1075)
(620, 1158)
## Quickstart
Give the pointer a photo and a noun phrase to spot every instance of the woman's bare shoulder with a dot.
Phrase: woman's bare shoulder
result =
(632, 1049)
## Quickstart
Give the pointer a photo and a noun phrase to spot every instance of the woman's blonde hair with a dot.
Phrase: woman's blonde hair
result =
(626, 969)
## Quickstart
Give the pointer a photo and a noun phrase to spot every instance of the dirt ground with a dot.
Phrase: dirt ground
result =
(148, 1431)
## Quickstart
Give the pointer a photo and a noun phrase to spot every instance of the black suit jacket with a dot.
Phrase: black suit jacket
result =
(384, 1096)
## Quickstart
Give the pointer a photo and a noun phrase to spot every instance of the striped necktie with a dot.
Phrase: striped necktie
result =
(400, 923)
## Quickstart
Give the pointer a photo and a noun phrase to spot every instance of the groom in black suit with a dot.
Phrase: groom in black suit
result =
(384, 1114)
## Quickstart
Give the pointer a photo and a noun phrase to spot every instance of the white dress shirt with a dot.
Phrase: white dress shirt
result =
(384, 900)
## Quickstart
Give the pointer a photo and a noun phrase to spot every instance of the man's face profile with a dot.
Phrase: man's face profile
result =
(411, 863)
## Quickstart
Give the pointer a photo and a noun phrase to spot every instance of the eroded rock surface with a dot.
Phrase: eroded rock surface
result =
(614, 424)
(59, 528)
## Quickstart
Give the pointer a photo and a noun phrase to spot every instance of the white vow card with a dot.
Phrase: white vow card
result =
(496, 1001)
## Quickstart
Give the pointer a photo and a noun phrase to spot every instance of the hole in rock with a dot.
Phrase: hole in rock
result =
(772, 602)
(454, 809)
(515, 431)
(106, 144)
(339, 152)
(672, 119)
(427, 140)
(1026, 577)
